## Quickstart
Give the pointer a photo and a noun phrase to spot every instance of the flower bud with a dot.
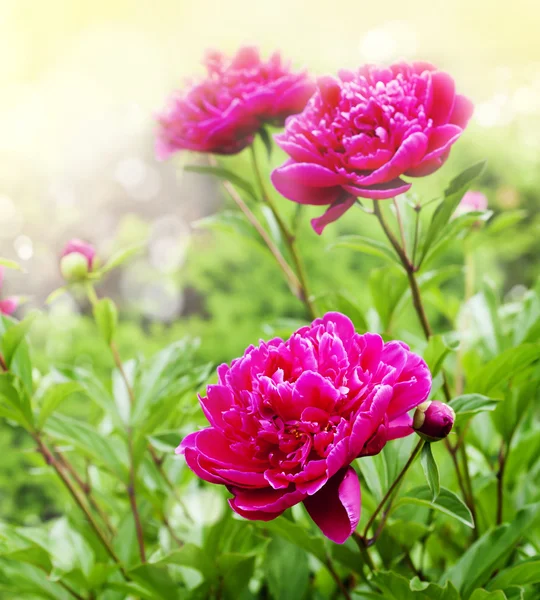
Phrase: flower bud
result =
(472, 201)
(433, 421)
(77, 260)
(74, 267)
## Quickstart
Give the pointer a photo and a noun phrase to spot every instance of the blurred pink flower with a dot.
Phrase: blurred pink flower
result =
(472, 201)
(222, 113)
(360, 133)
(288, 418)
(8, 305)
(76, 246)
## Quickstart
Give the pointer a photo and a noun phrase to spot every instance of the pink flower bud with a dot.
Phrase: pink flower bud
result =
(78, 259)
(7, 305)
(433, 421)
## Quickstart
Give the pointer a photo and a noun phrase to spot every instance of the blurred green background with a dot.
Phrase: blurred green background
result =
(81, 83)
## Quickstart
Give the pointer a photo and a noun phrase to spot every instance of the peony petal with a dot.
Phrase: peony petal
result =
(296, 185)
(442, 100)
(295, 150)
(400, 427)
(410, 153)
(371, 415)
(266, 500)
(218, 400)
(462, 112)
(333, 213)
(441, 139)
(335, 508)
(427, 167)
(381, 191)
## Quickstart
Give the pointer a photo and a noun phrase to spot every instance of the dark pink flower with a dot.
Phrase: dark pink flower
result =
(433, 421)
(288, 418)
(8, 305)
(222, 113)
(359, 134)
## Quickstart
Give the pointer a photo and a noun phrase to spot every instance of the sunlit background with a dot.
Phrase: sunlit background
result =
(81, 82)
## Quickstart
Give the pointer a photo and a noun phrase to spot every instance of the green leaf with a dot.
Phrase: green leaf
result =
(524, 573)
(506, 220)
(447, 502)
(480, 594)
(341, 302)
(298, 535)
(10, 264)
(225, 175)
(155, 580)
(54, 295)
(367, 245)
(287, 570)
(439, 346)
(430, 471)
(452, 197)
(468, 405)
(266, 140)
(13, 337)
(103, 450)
(189, 555)
(235, 570)
(387, 286)
(501, 369)
(229, 222)
(15, 395)
(54, 396)
(397, 587)
(489, 553)
(120, 257)
(106, 316)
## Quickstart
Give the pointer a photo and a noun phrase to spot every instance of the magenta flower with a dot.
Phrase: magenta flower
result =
(359, 134)
(433, 421)
(222, 113)
(8, 305)
(288, 418)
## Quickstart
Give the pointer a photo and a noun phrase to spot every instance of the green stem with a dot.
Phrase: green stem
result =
(51, 460)
(390, 491)
(287, 236)
(131, 486)
(362, 546)
(410, 269)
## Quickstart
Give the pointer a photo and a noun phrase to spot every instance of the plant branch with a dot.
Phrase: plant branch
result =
(85, 489)
(330, 566)
(287, 236)
(390, 491)
(401, 229)
(51, 460)
(133, 499)
(292, 280)
(424, 322)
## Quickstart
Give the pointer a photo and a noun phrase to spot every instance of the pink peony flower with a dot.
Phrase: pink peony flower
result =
(472, 201)
(359, 134)
(288, 418)
(8, 305)
(222, 113)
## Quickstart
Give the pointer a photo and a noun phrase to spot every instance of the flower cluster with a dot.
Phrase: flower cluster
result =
(222, 113)
(360, 133)
(289, 417)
